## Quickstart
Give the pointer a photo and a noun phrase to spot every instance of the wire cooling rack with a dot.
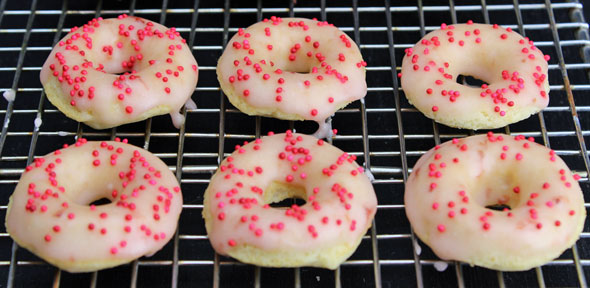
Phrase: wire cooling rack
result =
(386, 133)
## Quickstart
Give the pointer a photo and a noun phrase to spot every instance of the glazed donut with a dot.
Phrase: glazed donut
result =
(50, 212)
(323, 232)
(158, 72)
(451, 187)
(292, 69)
(515, 70)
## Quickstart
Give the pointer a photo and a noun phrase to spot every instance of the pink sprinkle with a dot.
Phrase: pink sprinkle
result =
(441, 228)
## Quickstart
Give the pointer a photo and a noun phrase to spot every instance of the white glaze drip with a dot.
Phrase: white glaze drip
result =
(38, 122)
(418, 248)
(369, 174)
(9, 95)
(190, 104)
(62, 133)
(177, 119)
(440, 266)
(325, 129)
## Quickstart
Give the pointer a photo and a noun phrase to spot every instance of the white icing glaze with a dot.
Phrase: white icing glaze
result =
(190, 104)
(292, 68)
(324, 130)
(450, 187)
(38, 122)
(163, 72)
(49, 212)
(9, 95)
(369, 175)
(177, 119)
(440, 266)
(418, 248)
(514, 68)
(340, 199)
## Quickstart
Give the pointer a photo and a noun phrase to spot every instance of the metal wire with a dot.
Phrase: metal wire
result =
(364, 138)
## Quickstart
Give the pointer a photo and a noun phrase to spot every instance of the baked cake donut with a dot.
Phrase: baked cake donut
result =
(515, 70)
(451, 187)
(292, 69)
(121, 70)
(325, 231)
(50, 212)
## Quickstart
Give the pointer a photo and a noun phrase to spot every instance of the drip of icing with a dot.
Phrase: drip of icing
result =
(418, 248)
(177, 119)
(190, 104)
(440, 266)
(38, 122)
(62, 133)
(325, 129)
(9, 95)
(369, 174)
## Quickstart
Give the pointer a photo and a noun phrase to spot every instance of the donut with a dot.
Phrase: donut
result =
(292, 69)
(515, 72)
(496, 201)
(51, 212)
(115, 71)
(323, 232)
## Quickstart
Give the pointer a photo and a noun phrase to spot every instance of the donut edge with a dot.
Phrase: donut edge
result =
(329, 258)
(87, 117)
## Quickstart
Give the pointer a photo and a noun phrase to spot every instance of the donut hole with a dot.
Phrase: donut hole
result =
(101, 201)
(470, 81)
(283, 195)
(88, 197)
(114, 70)
(499, 207)
(496, 198)
(495, 192)
(299, 67)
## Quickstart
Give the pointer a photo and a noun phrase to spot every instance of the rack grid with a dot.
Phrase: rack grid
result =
(386, 133)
